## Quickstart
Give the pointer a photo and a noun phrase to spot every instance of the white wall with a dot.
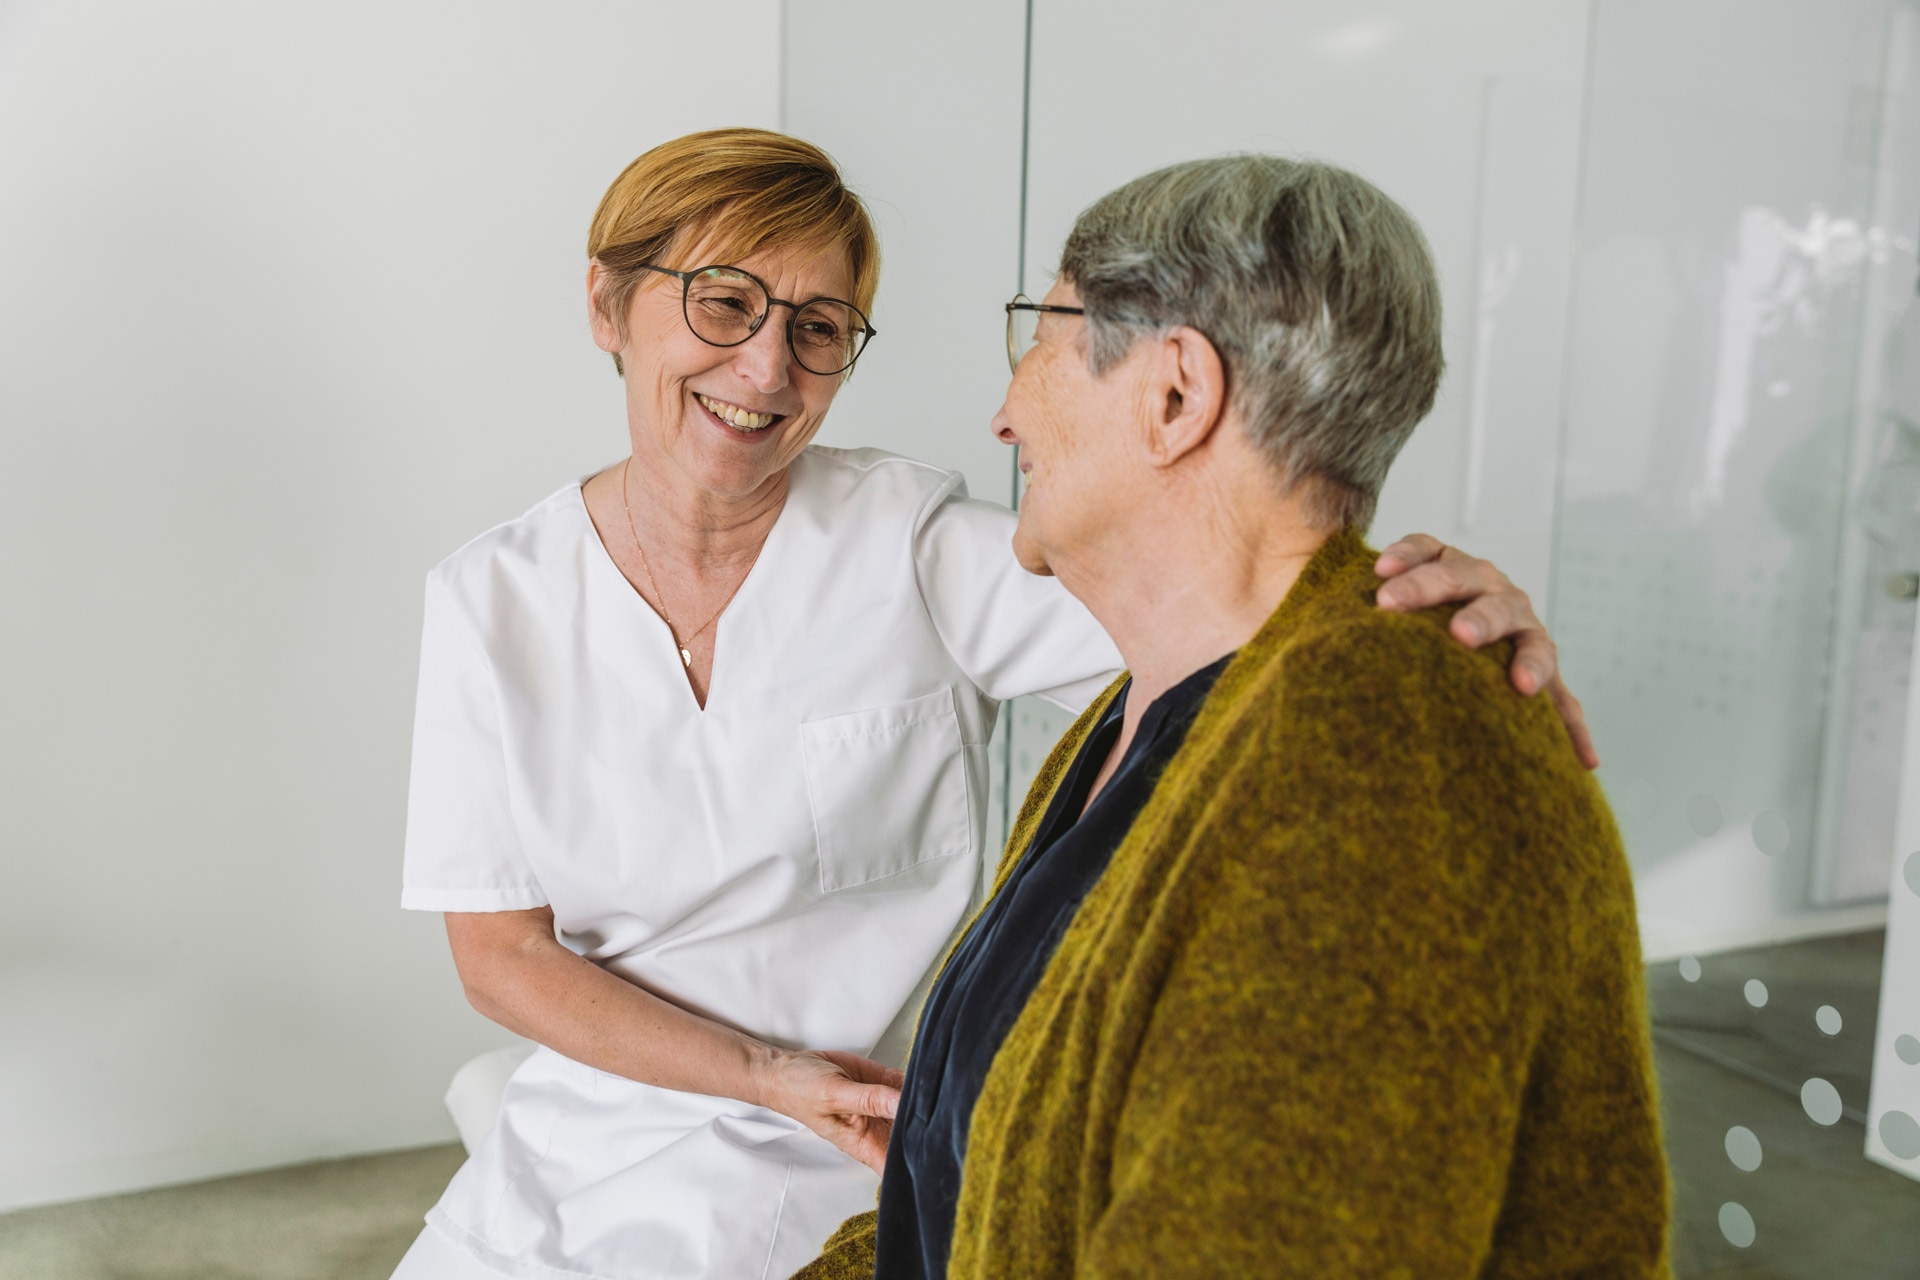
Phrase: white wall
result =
(921, 107)
(290, 307)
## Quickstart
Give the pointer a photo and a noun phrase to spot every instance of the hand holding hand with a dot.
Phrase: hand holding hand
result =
(1421, 571)
(845, 1098)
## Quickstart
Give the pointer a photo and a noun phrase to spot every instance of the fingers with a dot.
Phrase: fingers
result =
(1451, 577)
(1414, 549)
(1422, 572)
(1575, 718)
(1536, 659)
(854, 1098)
(822, 1092)
(1503, 614)
(869, 1144)
(1494, 609)
(864, 1069)
(862, 1137)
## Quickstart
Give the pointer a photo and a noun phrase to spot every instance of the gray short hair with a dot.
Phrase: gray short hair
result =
(1317, 289)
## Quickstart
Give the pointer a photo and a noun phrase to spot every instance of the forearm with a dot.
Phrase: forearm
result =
(538, 989)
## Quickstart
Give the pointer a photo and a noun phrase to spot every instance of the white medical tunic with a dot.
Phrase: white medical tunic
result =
(790, 861)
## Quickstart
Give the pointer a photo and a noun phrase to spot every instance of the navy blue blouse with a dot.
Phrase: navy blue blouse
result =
(998, 964)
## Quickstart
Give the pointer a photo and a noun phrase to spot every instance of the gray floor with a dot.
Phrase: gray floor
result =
(337, 1220)
(1821, 1210)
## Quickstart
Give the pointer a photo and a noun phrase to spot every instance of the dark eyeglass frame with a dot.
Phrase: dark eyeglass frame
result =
(864, 327)
(1021, 302)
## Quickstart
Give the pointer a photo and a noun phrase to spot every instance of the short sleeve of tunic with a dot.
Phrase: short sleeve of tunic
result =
(1013, 632)
(462, 852)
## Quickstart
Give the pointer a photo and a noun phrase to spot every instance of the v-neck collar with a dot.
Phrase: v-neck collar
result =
(641, 622)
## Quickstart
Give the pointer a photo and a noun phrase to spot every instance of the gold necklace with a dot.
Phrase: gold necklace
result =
(686, 654)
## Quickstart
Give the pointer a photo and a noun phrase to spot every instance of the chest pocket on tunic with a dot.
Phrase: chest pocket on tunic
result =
(888, 787)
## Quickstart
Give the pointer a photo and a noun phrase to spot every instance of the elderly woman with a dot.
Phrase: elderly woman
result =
(700, 770)
(1314, 953)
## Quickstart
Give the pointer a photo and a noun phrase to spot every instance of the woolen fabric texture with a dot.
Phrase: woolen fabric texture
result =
(1359, 995)
(998, 963)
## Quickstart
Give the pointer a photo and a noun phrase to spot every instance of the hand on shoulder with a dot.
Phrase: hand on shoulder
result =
(1421, 572)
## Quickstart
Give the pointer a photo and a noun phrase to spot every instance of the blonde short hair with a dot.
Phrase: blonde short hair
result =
(739, 191)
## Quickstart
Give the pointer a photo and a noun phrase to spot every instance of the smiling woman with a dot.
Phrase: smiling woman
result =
(700, 765)
(720, 403)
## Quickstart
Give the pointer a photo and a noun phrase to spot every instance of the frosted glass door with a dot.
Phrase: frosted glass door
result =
(1713, 403)
(1727, 602)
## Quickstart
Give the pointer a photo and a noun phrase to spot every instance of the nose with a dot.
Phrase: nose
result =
(1003, 427)
(762, 359)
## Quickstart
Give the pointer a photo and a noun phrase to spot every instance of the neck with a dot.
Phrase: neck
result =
(682, 524)
(1201, 563)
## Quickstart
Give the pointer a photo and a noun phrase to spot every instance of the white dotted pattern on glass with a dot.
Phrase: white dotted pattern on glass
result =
(1736, 1224)
(1771, 835)
(1901, 1134)
(1821, 1101)
(1827, 1018)
(1743, 1148)
(1908, 1049)
(1703, 815)
(1689, 968)
(1910, 871)
(1756, 993)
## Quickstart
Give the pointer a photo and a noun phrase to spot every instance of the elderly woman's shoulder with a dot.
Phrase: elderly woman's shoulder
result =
(1343, 657)
(1384, 728)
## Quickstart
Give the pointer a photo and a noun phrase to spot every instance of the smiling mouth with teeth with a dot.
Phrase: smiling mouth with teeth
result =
(736, 417)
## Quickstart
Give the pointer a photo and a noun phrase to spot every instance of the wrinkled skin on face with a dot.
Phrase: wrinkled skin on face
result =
(1072, 431)
(688, 403)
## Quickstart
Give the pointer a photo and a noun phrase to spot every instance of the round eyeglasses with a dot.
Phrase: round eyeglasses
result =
(725, 306)
(1023, 318)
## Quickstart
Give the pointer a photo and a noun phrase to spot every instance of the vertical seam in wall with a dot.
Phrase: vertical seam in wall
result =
(1020, 265)
(1469, 510)
(1026, 129)
(1557, 535)
(780, 71)
(1019, 284)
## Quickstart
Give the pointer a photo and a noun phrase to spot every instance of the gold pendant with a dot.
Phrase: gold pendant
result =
(686, 657)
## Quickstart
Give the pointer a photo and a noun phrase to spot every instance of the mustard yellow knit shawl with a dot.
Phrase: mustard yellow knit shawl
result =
(1359, 994)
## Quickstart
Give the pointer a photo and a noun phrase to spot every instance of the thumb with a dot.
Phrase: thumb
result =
(867, 1100)
(1410, 551)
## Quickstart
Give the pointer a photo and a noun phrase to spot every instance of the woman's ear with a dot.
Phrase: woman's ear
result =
(1188, 386)
(606, 334)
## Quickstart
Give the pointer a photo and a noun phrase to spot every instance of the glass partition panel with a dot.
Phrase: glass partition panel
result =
(1736, 619)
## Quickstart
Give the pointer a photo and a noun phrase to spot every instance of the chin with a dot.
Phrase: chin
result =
(1027, 550)
(727, 471)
